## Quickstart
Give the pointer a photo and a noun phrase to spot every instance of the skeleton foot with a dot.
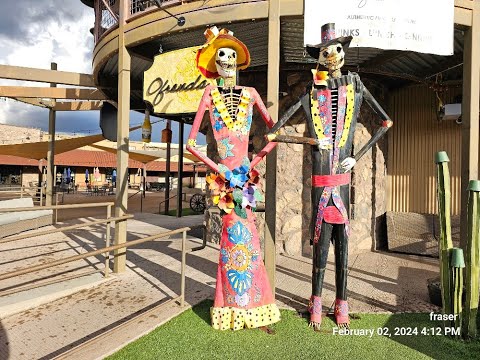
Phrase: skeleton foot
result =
(344, 325)
(341, 314)
(315, 325)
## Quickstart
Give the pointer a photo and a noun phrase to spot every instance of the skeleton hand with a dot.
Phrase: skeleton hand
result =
(348, 164)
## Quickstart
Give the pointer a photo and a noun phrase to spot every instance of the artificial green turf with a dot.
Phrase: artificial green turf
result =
(185, 212)
(190, 336)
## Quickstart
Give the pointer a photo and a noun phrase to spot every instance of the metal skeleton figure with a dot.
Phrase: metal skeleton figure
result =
(243, 296)
(331, 105)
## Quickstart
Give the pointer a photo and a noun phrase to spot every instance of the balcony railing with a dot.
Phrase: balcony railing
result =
(107, 12)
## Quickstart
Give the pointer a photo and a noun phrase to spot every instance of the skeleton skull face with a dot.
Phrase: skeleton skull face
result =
(226, 62)
(332, 57)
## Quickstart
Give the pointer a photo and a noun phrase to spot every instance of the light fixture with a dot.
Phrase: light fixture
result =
(180, 20)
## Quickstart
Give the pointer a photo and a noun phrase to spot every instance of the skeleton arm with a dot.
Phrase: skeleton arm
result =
(286, 116)
(386, 123)
(191, 143)
(268, 120)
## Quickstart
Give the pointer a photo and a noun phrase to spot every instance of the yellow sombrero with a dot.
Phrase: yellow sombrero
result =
(220, 39)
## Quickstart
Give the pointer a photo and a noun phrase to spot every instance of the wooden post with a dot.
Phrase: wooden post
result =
(470, 110)
(107, 240)
(51, 150)
(271, 172)
(180, 168)
(167, 174)
(123, 115)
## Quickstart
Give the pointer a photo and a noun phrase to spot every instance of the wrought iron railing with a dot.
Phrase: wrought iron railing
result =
(107, 12)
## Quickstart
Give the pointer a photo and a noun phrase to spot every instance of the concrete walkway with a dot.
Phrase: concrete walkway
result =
(98, 316)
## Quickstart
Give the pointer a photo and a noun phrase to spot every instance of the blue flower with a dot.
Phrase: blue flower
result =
(241, 281)
(218, 125)
(224, 254)
(239, 234)
(237, 176)
(322, 98)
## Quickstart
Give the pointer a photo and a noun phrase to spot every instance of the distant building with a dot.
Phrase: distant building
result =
(16, 170)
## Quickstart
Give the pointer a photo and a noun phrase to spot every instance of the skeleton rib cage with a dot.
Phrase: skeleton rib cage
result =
(231, 100)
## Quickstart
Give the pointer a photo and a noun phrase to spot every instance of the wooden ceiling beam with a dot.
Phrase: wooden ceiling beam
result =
(51, 93)
(36, 102)
(47, 76)
(77, 105)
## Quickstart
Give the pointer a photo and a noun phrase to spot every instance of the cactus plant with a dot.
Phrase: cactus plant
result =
(457, 264)
(472, 260)
(445, 243)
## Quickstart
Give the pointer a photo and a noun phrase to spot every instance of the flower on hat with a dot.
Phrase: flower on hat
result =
(217, 39)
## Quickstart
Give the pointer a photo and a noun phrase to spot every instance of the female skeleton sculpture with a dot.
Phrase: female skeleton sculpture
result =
(243, 296)
(332, 104)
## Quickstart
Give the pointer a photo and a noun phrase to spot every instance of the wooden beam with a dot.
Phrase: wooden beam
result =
(123, 115)
(271, 170)
(115, 16)
(35, 102)
(51, 93)
(77, 105)
(467, 4)
(470, 114)
(44, 75)
(462, 16)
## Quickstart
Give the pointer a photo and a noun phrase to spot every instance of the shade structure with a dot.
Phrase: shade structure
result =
(145, 156)
(38, 150)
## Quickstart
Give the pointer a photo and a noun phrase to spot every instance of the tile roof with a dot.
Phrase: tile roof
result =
(101, 159)
(17, 160)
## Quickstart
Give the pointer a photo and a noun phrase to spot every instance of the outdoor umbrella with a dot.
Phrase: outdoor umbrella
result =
(87, 175)
(96, 174)
(64, 177)
(69, 175)
(114, 176)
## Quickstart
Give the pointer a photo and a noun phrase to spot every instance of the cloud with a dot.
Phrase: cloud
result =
(20, 19)
(34, 33)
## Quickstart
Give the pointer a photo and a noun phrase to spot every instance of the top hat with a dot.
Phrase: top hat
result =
(215, 40)
(328, 38)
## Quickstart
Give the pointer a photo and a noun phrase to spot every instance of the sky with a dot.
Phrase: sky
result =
(34, 33)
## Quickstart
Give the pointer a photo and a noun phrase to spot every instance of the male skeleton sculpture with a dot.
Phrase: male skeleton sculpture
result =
(331, 106)
(243, 296)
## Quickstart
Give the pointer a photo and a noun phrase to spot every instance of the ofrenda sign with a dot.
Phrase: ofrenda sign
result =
(173, 84)
(424, 26)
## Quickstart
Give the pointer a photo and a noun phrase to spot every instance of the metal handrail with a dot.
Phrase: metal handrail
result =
(170, 198)
(66, 228)
(59, 207)
(107, 250)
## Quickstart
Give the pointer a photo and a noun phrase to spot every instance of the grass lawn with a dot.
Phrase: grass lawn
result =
(189, 336)
(185, 212)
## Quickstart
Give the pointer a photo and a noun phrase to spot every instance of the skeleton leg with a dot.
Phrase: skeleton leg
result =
(320, 254)
(341, 271)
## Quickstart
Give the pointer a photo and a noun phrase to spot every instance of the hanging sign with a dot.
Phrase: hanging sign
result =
(424, 26)
(173, 84)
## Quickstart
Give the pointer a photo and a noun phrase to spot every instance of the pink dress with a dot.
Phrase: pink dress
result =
(243, 296)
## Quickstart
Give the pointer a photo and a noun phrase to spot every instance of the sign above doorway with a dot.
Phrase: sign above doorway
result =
(424, 26)
(173, 85)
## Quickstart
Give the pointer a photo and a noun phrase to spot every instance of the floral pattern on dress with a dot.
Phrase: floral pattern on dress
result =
(224, 149)
(238, 260)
